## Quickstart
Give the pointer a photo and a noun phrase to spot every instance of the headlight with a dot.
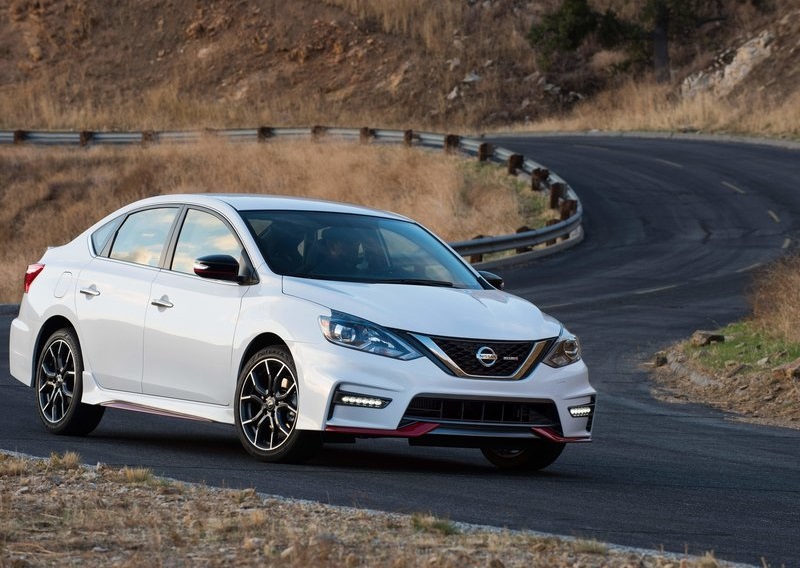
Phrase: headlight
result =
(349, 331)
(566, 351)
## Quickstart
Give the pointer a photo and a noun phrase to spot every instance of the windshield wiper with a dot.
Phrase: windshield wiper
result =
(417, 282)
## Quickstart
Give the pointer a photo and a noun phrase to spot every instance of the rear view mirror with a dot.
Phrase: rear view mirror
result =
(493, 279)
(217, 267)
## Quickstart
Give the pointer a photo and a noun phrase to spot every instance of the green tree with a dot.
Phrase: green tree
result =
(563, 30)
(658, 22)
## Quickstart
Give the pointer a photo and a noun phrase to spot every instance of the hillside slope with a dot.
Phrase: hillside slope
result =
(458, 64)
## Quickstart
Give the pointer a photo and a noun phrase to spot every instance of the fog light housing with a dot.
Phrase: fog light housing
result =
(360, 400)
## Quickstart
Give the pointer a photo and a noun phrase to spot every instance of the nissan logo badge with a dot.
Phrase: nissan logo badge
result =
(486, 356)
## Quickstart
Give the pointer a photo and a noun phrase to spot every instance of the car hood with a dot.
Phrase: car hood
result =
(450, 312)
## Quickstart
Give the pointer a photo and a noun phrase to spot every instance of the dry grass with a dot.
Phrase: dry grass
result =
(49, 196)
(147, 65)
(95, 516)
(448, 28)
(648, 106)
(775, 300)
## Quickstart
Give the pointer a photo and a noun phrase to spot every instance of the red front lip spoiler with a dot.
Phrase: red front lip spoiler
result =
(411, 431)
(554, 436)
(418, 429)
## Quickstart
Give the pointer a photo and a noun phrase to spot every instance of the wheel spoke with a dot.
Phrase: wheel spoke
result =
(256, 384)
(288, 392)
(256, 417)
(287, 406)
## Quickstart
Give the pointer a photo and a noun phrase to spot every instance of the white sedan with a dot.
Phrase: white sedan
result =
(299, 322)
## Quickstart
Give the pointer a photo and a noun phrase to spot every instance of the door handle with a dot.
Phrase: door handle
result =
(90, 291)
(162, 303)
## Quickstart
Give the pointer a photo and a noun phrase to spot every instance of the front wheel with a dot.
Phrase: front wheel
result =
(267, 406)
(59, 387)
(533, 458)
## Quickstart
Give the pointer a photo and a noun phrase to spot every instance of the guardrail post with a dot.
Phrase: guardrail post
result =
(473, 258)
(549, 223)
(318, 132)
(485, 151)
(86, 137)
(515, 162)
(19, 136)
(451, 142)
(149, 137)
(556, 192)
(568, 208)
(265, 132)
(523, 229)
(366, 134)
(408, 137)
(539, 179)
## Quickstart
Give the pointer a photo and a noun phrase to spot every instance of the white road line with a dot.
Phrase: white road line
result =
(673, 164)
(734, 188)
(748, 268)
(653, 290)
(590, 146)
(553, 306)
(786, 243)
(774, 216)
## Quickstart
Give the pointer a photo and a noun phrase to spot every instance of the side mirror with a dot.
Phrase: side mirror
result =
(493, 279)
(217, 267)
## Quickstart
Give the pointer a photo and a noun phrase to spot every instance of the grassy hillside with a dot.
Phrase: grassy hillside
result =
(454, 65)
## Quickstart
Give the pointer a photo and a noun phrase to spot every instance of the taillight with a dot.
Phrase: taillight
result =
(30, 275)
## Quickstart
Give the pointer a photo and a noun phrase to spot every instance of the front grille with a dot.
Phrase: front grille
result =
(454, 410)
(464, 353)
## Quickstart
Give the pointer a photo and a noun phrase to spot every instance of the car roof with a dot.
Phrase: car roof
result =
(254, 202)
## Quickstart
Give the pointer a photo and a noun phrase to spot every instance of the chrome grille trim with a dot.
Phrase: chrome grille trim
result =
(537, 350)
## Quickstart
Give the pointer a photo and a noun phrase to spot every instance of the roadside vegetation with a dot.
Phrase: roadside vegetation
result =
(752, 368)
(48, 196)
(56, 512)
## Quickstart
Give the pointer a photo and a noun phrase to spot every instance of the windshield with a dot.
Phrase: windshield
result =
(355, 248)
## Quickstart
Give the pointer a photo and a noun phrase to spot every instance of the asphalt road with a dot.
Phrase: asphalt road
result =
(674, 230)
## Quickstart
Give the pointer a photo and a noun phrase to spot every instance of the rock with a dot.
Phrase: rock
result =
(701, 338)
(730, 68)
(661, 358)
(787, 371)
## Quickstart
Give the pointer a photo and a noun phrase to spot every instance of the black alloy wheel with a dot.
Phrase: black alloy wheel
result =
(267, 406)
(59, 387)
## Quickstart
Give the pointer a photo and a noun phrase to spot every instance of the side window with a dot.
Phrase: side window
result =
(203, 234)
(100, 236)
(143, 235)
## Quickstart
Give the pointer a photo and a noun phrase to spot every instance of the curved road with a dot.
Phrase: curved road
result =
(674, 230)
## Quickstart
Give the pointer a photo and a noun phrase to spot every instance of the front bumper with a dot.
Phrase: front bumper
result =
(465, 410)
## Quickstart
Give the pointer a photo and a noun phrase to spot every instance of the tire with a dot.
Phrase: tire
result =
(533, 458)
(267, 407)
(59, 387)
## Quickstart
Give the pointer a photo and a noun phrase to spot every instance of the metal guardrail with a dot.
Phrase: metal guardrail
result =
(562, 196)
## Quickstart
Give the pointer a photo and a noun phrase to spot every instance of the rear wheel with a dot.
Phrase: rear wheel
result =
(59, 387)
(532, 458)
(267, 406)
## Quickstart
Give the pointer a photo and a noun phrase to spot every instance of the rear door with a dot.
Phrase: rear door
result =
(113, 294)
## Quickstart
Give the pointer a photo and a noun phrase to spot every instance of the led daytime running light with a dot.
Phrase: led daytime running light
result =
(361, 400)
(580, 411)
